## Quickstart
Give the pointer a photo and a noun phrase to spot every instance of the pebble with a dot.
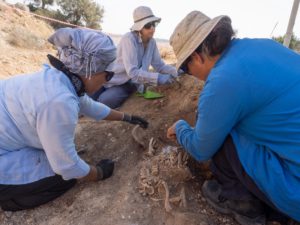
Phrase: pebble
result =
(8, 214)
(203, 211)
(224, 220)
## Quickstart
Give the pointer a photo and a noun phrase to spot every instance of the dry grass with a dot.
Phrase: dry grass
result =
(23, 38)
(23, 42)
(20, 29)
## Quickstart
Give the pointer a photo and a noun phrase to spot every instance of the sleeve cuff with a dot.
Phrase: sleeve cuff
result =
(79, 170)
(180, 126)
(104, 112)
(153, 79)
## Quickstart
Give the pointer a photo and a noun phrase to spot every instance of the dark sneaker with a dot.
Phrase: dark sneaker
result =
(244, 212)
(293, 222)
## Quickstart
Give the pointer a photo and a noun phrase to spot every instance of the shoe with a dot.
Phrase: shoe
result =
(245, 212)
(293, 222)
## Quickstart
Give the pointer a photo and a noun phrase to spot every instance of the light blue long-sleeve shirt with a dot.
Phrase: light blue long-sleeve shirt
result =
(133, 62)
(38, 114)
(253, 94)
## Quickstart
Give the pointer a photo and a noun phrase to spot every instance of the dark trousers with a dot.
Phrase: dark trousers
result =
(235, 182)
(27, 196)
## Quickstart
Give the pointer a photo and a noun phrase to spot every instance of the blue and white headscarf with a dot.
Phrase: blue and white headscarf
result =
(84, 52)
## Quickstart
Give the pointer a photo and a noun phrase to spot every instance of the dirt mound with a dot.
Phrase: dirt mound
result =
(115, 201)
(23, 42)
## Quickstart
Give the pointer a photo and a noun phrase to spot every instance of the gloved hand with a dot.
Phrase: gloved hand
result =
(135, 120)
(105, 168)
(165, 79)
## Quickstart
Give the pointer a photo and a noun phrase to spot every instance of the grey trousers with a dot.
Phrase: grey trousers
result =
(114, 96)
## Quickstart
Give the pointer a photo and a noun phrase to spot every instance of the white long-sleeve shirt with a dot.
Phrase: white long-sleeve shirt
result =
(133, 62)
(38, 114)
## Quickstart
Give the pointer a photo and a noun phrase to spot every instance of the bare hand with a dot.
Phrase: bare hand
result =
(171, 133)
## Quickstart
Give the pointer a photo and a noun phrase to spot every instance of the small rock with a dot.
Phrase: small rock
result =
(8, 214)
(203, 211)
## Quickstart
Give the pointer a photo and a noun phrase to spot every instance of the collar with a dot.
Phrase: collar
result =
(74, 78)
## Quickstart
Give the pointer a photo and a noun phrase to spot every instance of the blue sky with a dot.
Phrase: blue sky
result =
(252, 18)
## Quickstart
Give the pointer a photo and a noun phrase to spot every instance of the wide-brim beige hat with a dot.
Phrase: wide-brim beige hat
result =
(141, 16)
(190, 33)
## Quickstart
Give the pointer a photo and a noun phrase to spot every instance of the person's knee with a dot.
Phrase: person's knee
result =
(10, 205)
(113, 98)
(41, 192)
(110, 101)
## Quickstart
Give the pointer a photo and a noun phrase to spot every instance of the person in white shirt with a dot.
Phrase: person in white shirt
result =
(39, 113)
(136, 51)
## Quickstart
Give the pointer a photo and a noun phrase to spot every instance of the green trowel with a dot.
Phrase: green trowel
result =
(150, 95)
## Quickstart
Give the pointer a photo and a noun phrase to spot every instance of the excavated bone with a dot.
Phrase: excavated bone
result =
(136, 137)
(185, 158)
(179, 160)
(183, 198)
(156, 199)
(146, 189)
(175, 199)
(165, 171)
(151, 148)
(144, 173)
(182, 159)
(167, 196)
(154, 170)
(149, 189)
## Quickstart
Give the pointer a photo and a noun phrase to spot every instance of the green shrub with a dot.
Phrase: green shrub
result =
(294, 44)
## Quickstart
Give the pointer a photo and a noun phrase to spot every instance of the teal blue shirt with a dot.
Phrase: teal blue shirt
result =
(253, 94)
(38, 114)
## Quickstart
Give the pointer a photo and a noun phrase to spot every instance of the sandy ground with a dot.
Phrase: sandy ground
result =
(115, 201)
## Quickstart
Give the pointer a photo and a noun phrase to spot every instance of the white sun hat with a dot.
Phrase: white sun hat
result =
(141, 16)
(190, 33)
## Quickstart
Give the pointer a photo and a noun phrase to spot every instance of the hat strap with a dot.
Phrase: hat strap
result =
(143, 18)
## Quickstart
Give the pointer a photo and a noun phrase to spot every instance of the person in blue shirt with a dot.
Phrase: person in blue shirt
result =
(136, 52)
(39, 113)
(248, 119)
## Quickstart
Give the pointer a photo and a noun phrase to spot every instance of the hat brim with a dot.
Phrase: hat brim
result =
(139, 25)
(199, 36)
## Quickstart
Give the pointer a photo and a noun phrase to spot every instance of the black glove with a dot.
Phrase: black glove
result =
(135, 120)
(105, 168)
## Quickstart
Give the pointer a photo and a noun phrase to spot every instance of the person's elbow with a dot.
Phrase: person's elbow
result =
(197, 148)
(200, 154)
